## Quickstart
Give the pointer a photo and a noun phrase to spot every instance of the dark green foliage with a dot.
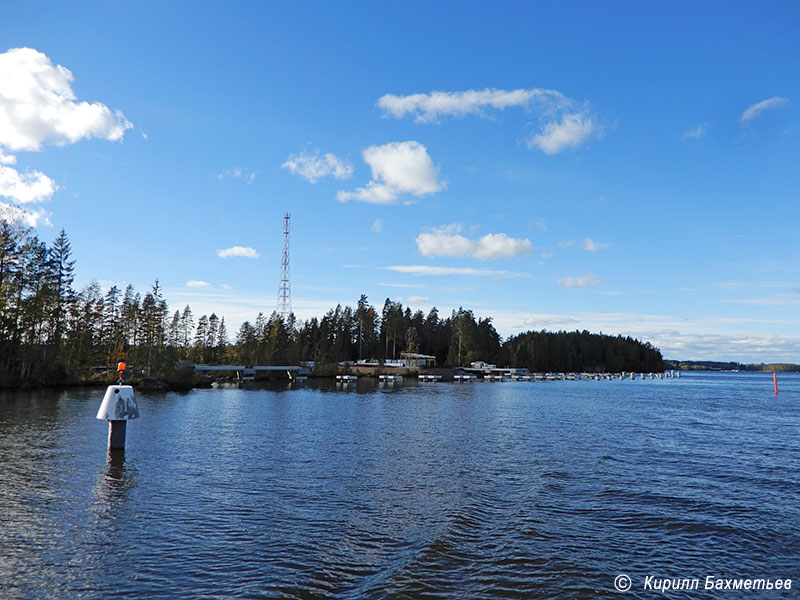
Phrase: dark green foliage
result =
(581, 351)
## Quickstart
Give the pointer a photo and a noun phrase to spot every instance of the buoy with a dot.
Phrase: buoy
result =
(118, 407)
(775, 382)
(121, 370)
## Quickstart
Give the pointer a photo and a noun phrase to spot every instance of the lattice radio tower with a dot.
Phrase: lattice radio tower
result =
(284, 289)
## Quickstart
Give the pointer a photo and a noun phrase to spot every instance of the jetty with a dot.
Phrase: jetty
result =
(251, 373)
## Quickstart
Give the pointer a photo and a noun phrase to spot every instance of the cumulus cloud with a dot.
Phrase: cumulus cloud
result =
(397, 168)
(582, 281)
(448, 241)
(238, 251)
(571, 131)
(591, 246)
(312, 166)
(756, 109)
(567, 244)
(696, 133)
(193, 283)
(38, 107)
(25, 188)
(445, 241)
(430, 270)
(564, 122)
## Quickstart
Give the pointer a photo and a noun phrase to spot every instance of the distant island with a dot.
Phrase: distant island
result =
(711, 365)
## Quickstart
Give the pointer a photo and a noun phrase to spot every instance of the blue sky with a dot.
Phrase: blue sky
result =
(622, 167)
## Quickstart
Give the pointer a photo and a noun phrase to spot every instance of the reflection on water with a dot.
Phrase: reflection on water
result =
(114, 486)
(515, 490)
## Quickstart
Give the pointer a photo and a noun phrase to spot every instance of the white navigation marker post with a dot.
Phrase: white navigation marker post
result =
(118, 407)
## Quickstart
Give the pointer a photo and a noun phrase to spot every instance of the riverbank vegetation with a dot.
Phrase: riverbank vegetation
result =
(52, 334)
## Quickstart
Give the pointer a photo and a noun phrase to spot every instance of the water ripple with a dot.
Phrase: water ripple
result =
(507, 491)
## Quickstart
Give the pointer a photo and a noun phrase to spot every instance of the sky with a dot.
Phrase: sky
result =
(622, 167)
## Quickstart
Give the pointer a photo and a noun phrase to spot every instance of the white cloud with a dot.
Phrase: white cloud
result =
(567, 244)
(572, 131)
(544, 321)
(37, 107)
(402, 285)
(548, 255)
(591, 246)
(430, 270)
(25, 188)
(740, 347)
(313, 167)
(417, 299)
(582, 281)
(192, 283)
(696, 133)
(564, 122)
(498, 245)
(236, 173)
(756, 109)
(397, 168)
(235, 251)
(429, 107)
(377, 226)
(447, 241)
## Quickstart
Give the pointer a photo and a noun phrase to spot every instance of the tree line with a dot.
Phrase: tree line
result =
(52, 333)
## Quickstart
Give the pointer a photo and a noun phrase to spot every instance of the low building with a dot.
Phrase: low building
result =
(413, 359)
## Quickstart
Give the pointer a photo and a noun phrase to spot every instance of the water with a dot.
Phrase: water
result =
(503, 490)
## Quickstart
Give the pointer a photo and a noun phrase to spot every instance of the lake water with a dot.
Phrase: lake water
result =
(479, 490)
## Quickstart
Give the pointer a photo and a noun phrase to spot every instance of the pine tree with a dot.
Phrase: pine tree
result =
(187, 326)
(64, 275)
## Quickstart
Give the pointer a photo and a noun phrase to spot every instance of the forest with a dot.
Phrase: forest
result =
(51, 333)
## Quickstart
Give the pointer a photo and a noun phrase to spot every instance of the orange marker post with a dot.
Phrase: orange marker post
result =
(775, 382)
(121, 368)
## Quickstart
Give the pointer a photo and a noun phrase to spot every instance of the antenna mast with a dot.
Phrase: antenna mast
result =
(284, 289)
